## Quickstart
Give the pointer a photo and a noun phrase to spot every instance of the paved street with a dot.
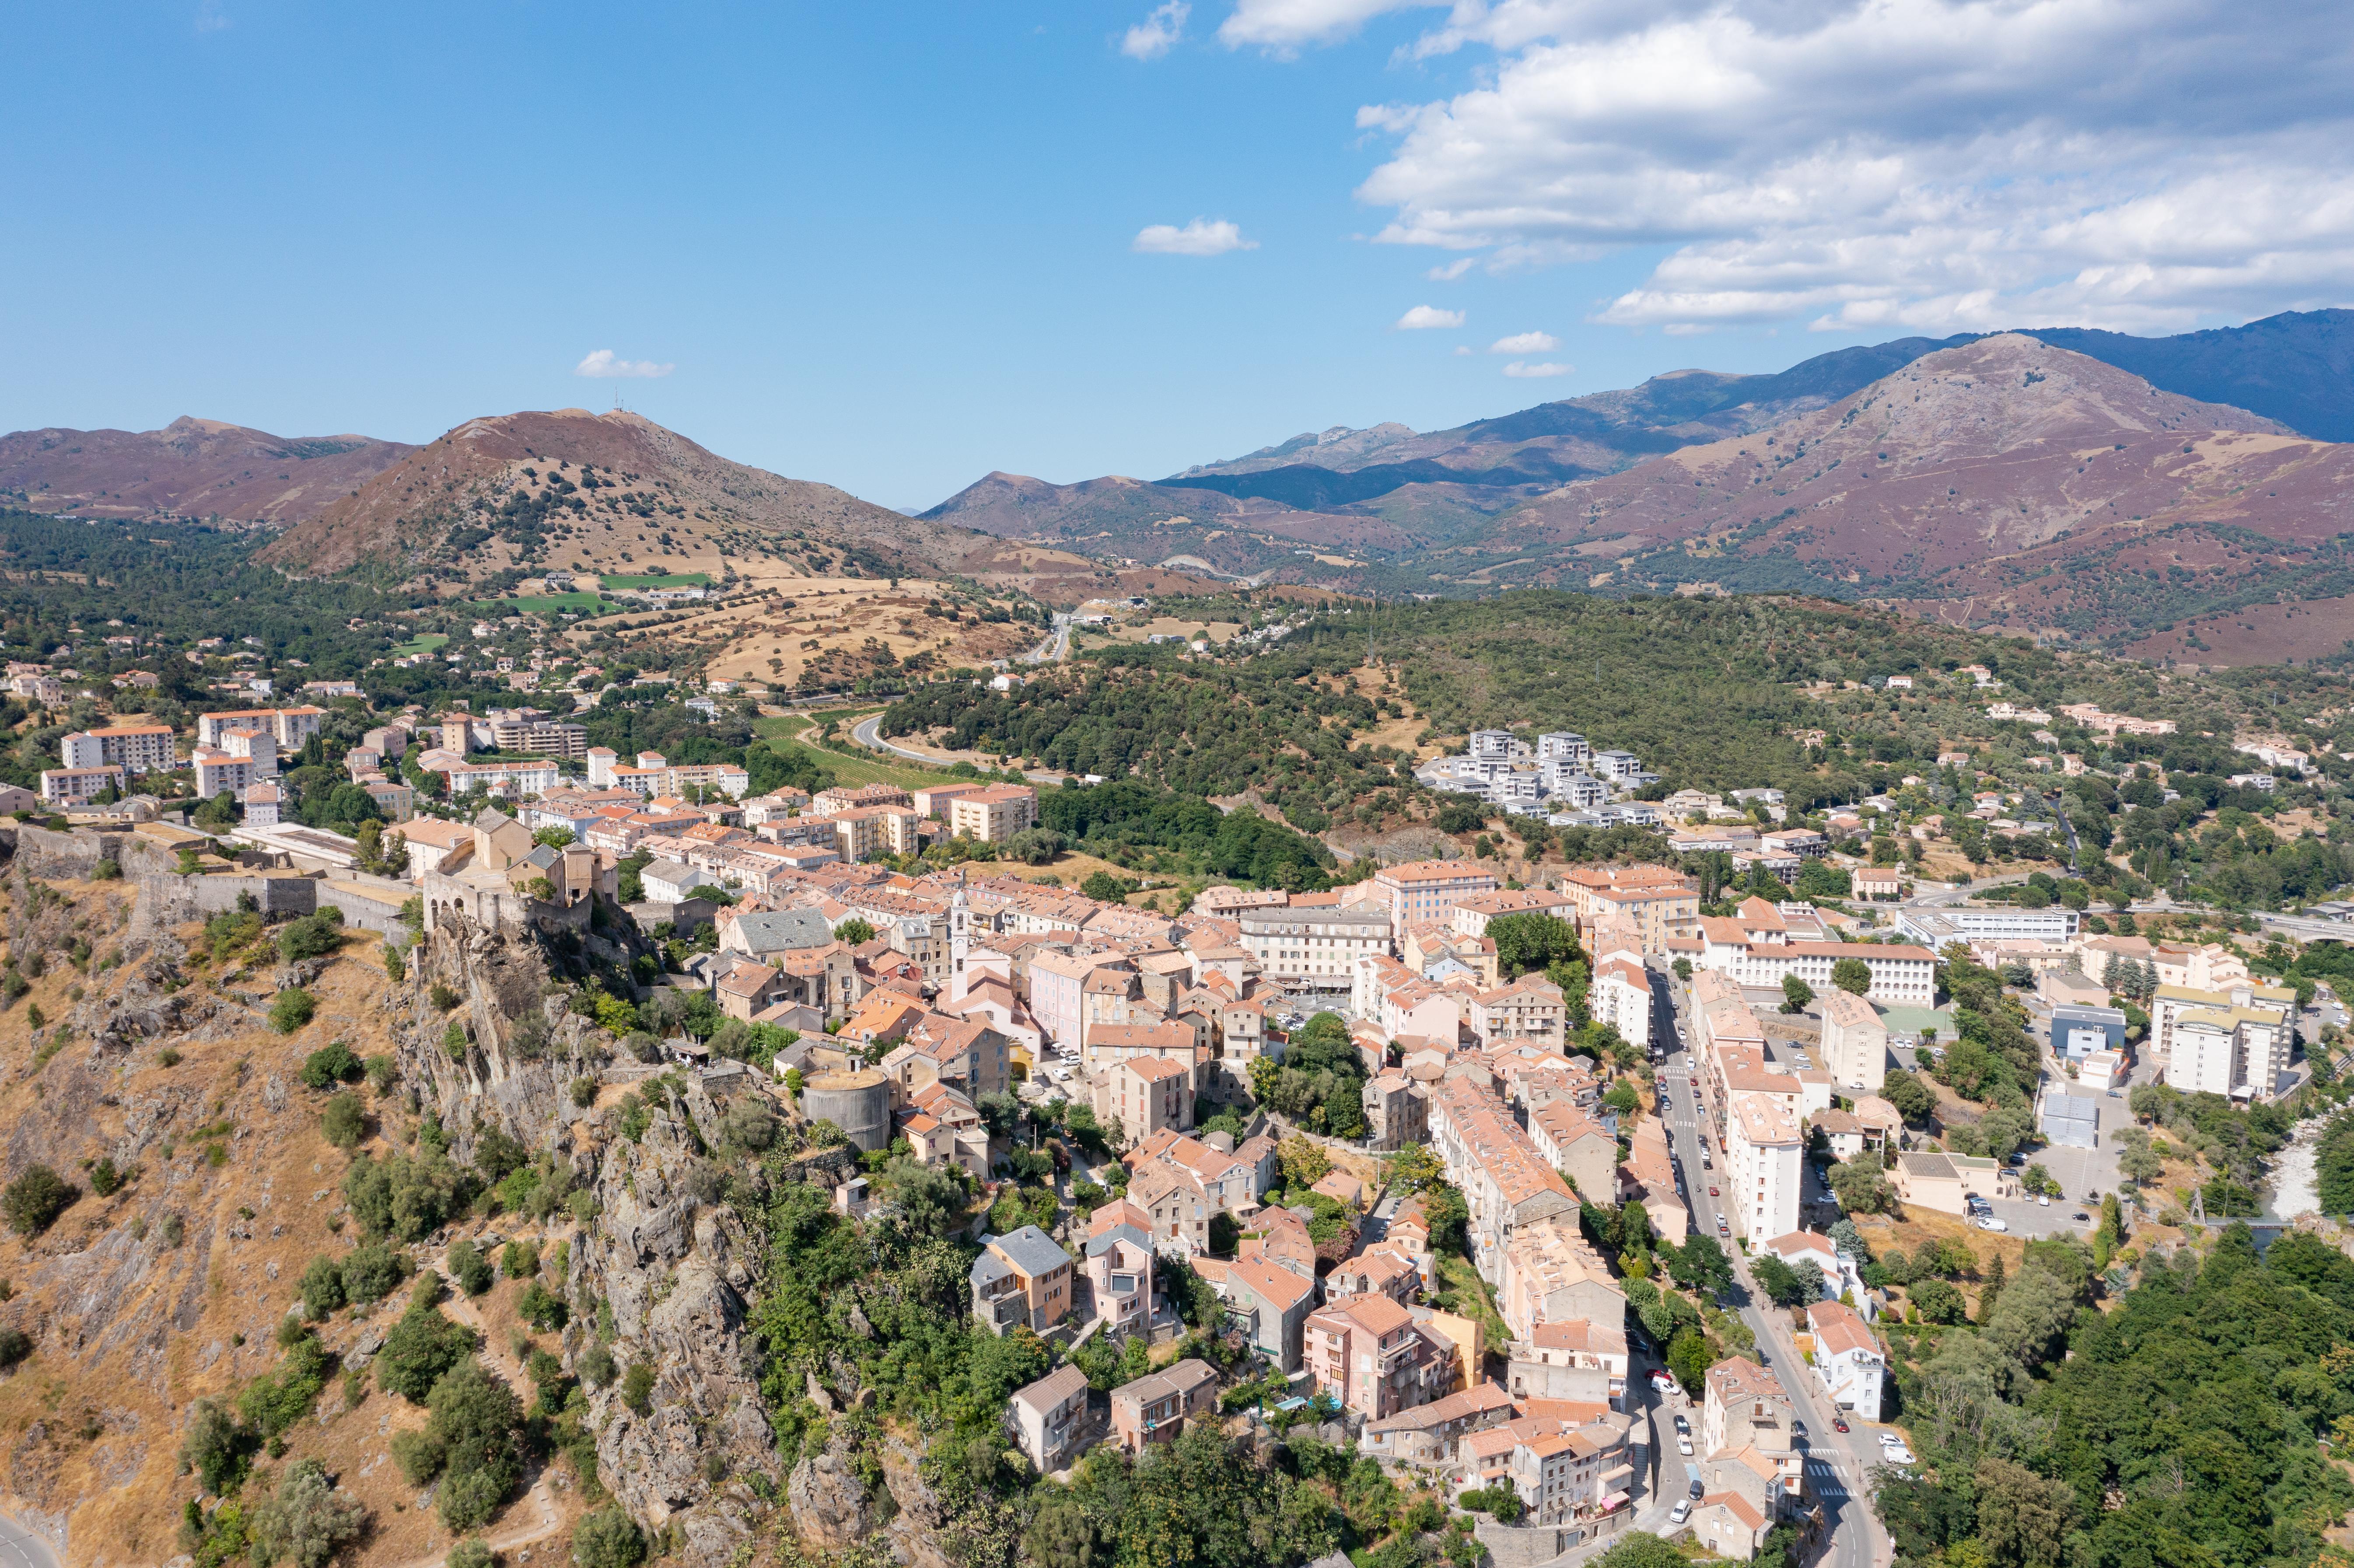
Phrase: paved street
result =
(20, 1548)
(1837, 1466)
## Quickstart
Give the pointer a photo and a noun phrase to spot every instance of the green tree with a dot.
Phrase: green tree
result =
(291, 1009)
(1939, 1302)
(330, 1065)
(1532, 940)
(212, 1447)
(1852, 976)
(1785, 1285)
(422, 1347)
(1688, 1358)
(1797, 994)
(470, 1268)
(855, 931)
(2023, 1518)
(1861, 1186)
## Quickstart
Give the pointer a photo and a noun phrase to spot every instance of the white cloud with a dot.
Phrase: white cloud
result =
(1154, 37)
(1536, 372)
(1462, 351)
(603, 366)
(1526, 343)
(1929, 165)
(1281, 26)
(1200, 237)
(1452, 270)
(1424, 317)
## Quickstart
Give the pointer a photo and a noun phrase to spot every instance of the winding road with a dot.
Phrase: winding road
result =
(867, 733)
(20, 1548)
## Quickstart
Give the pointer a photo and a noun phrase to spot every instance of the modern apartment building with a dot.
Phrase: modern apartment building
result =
(1314, 945)
(133, 748)
(991, 816)
(1763, 1148)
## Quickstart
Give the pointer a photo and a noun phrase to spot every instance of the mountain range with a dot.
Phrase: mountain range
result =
(2183, 495)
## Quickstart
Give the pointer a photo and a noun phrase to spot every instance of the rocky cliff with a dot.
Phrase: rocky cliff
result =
(142, 1041)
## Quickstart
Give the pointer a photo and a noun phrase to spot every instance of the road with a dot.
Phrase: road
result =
(20, 1548)
(1837, 1468)
(866, 732)
(1057, 646)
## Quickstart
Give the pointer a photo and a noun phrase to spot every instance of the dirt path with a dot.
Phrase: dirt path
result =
(535, 1517)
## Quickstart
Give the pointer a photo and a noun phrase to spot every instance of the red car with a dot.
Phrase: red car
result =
(1712, 1192)
(1838, 1423)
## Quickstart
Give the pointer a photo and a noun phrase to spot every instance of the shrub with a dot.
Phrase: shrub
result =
(331, 1064)
(542, 1308)
(404, 1197)
(607, 1538)
(372, 1271)
(106, 870)
(475, 1424)
(420, 1349)
(381, 1071)
(584, 1092)
(470, 1268)
(597, 1367)
(15, 1346)
(749, 1124)
(395, 970)
(471, 1554)
(453, 1040)
(323, 1286)
(344, 1123)
(308, 1520)
(311, 937)
(212, 1447)
(105, 1179)
(638, 1387)
(167, 1057)
(33, 1201)
(519, 1260)
(291, 1009)
(442, 997)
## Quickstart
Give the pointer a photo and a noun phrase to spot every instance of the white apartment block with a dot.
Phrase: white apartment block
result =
(74, 786)
(1565, 747)
(289, 727)
(510, 781)
(991, 816)
(1497, 745)
(1313, 945)
(1855, 1042)
(133, 748)
(1764, 1148)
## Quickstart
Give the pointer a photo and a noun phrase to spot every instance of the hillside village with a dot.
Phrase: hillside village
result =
(1373, 1123)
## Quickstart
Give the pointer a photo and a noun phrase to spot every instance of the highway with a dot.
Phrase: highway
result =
(20, 1548)
(1838, 1468)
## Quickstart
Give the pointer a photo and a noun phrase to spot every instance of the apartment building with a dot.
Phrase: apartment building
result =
(1532, 1011)
(1571, 1360)
(1754, 947)
(2234, 1042)
(1745, 1406)
(1854, 1041)
(1313, 945)
(289, 727)
(133, 748)
(863, 832)
(77, 786)
(1145, 1095)
(1620, 996)
(1551, 1274)
(1368, 1352)
(1764, 1148)
(1470, 916)
(1154, 1408)
(1658, 902)
(539, 738)
(1429, 889)
(991, 816)
(1504, 1180)
(508, 780)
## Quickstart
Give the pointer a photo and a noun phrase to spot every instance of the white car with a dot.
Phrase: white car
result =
(1898, 1454)
(1680, 1513)
(1993, 1223)
(1683, 1447)
(2044, 1199)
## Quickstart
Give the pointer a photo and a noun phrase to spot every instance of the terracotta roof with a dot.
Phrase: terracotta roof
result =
(1279, 1288)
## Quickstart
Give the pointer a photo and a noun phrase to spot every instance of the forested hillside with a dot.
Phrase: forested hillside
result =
(2180, 1428)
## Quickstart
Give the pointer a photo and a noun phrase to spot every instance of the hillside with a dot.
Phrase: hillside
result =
(607, 492)
(2000, 481)
(190, 467)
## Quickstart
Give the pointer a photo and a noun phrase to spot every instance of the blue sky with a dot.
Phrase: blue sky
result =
(893, 248)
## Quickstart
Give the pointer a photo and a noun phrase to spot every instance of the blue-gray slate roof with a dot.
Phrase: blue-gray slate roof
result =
(1031, 1250)
(774, 932)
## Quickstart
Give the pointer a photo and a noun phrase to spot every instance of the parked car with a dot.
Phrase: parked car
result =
(1697, 1489)
(1661, 1380)
(1994, 1223)
(1722, 1228)
(1683, 1447)
(1683, 1423)
(1838, 1423)
(2081, 1217)
(1680, 1513)
(1899, 1454)
(2044, 1199)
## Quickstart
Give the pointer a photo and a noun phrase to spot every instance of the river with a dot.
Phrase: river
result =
(2291, 1188)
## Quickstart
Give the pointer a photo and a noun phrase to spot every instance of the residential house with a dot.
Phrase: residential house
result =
(1368, 1352)
(1848, 1359)
(1854, 1041)
(1049, 1418)
(1571, 1359)
(1269, 1306)
(1155, 1407)
(1119, 1257)
(1021, 1279)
